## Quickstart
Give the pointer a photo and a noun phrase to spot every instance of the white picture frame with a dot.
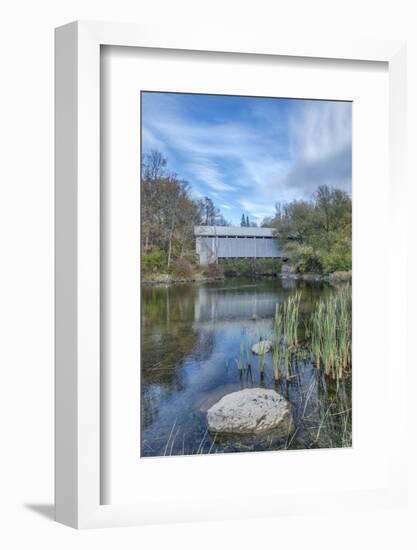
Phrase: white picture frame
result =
(78, 410)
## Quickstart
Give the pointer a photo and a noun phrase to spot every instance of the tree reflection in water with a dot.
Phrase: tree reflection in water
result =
(191, 336)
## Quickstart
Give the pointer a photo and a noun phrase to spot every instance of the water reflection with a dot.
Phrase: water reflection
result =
(233, 303)
(191, 338)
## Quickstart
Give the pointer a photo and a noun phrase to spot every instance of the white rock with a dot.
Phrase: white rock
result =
(262, 347)
(251, 411)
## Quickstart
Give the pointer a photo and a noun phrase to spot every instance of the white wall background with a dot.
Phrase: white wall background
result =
(26, 286)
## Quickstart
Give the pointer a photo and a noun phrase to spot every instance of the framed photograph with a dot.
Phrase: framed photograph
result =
(227, 312)
(246, 329)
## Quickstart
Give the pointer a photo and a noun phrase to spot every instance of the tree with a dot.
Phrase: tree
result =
(220, 220)
(209, 213)
(316, 234)
(168, 214)
(267, 222)
(153, 166)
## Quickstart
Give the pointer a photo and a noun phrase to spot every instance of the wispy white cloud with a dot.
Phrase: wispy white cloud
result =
(195, 193)
(262, 155)
(205, 171)
(321, 149)
(319, 129)
(150, 141)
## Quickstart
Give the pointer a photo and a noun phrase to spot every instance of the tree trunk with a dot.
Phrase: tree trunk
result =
(170, 249)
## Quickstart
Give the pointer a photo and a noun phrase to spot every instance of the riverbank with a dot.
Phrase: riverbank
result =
(167, 279)
(333, 278)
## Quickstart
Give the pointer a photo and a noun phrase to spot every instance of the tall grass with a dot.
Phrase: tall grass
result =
(261, 361)
(331, 333)
(239, 361)
(278, 333)
(248, 357)
(291, 310)
(285, 334)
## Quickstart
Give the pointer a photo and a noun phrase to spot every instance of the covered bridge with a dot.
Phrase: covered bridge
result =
(213, 242)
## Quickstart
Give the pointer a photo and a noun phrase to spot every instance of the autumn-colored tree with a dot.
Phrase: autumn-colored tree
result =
(169, 214)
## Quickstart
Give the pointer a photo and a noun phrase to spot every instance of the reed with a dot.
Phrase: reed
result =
(331, 333)
(285, 334)
(322, 421)
(200, 449)
(277, 351)
(239, 361)
(248, 357)
(262, 363)
(291, 310)
(169, 438)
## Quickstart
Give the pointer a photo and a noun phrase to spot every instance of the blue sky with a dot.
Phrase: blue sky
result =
(248, 153)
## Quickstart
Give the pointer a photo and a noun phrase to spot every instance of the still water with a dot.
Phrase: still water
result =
(192, 336)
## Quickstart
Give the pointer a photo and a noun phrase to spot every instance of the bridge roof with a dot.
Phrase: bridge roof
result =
(232, 231)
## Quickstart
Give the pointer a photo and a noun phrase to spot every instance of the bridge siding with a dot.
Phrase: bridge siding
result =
(212, 246)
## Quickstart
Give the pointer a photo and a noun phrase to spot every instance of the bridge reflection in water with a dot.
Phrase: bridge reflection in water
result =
(244, 302)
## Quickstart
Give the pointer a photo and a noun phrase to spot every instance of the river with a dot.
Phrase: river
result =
(191, 340)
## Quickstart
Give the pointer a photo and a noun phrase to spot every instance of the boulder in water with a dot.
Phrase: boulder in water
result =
(262, 347)
(251, 411)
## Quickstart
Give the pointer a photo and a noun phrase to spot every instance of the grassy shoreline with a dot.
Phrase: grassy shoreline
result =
(168, 279)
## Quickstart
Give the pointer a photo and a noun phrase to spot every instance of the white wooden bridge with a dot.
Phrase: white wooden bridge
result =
(214, 242)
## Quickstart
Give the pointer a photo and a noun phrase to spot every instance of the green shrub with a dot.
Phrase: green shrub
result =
(304, 259)
(234, 266)
(268, 265)
(338, 260)
(154, 261)
(245, 266)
